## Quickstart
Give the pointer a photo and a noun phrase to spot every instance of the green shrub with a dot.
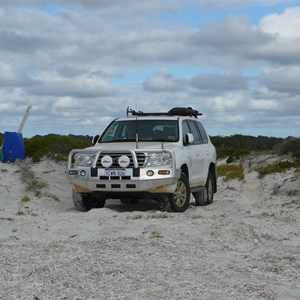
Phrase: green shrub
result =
(239, 141)
(32, 183)
(278, 167)
(231, 172)
(156, 235)
(25, 199)
(53, 146)
(231, 153)
(288, 146)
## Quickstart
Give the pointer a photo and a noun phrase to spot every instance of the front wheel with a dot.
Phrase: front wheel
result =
(87, 201)
(180, 200)
(82, 201)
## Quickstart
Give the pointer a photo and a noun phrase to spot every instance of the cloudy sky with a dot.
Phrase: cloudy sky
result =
(81, 63)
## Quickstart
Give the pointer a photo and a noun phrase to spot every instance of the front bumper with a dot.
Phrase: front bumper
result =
(134, 178)
(163, 180)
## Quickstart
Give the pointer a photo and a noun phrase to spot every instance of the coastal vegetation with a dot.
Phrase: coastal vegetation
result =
(232, 148)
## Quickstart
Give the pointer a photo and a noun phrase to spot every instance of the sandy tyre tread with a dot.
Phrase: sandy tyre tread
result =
(180, 200)
(209, 193)
(82, 201)
(200, 199)
(208, 196)
(164, 204)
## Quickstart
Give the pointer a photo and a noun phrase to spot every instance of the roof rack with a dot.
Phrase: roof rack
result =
(176, 111)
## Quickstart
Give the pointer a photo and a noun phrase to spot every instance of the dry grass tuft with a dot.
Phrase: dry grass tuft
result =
(32, 183)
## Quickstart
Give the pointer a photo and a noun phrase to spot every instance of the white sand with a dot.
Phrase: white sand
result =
(243, 246)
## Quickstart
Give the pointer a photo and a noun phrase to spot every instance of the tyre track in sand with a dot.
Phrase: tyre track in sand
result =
(252, 190)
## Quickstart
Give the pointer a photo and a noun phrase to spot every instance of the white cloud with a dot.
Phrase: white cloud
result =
(285, 25)
(261, 104)
(285, 47)
(162, 81)
(10, 76)
(66, 102)
(230, 102)
(73, 61)
(4, 107)
(219, 82)
(83, 86)
(284, 80)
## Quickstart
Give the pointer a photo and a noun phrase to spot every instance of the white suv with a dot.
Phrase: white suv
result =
(161, 156)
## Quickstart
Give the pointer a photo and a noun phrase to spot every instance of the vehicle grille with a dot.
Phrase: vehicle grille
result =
(115, 156)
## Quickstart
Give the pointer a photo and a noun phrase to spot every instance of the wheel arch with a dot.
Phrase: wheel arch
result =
(185, 170)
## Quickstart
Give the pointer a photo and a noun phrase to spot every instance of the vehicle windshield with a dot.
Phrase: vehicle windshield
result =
(147, 130)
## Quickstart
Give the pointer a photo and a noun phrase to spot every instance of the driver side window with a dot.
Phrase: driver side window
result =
(185, 130)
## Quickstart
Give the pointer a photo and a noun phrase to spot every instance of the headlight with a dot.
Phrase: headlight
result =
(159, 159)
(84, 159)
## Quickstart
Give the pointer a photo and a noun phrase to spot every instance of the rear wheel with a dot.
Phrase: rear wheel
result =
(200, 197)
(206, 196)
(209, 189)
(180, 200)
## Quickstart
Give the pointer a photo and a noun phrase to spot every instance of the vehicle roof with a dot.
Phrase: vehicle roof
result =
(161, 117)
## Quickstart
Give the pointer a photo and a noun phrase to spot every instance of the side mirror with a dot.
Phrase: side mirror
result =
(189, 138)
(95, 139)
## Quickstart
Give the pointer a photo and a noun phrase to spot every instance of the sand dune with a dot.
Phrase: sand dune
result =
(243, 246)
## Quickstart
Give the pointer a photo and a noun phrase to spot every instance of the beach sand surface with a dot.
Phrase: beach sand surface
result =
(245, 245)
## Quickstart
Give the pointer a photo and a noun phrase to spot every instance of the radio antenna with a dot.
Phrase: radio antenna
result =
(136, 133)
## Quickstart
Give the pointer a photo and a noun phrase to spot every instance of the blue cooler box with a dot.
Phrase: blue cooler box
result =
(13, 146)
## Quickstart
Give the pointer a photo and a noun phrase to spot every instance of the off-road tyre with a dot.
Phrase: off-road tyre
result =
(208, 197)
(82, 201)
(87, 201)
(164, 203)
(180, 200)
(200, 197)
(209, 186)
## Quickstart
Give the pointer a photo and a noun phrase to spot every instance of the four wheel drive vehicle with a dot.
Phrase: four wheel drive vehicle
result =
(160, 156)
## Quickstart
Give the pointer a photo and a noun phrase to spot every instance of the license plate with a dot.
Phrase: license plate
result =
(115, 172)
